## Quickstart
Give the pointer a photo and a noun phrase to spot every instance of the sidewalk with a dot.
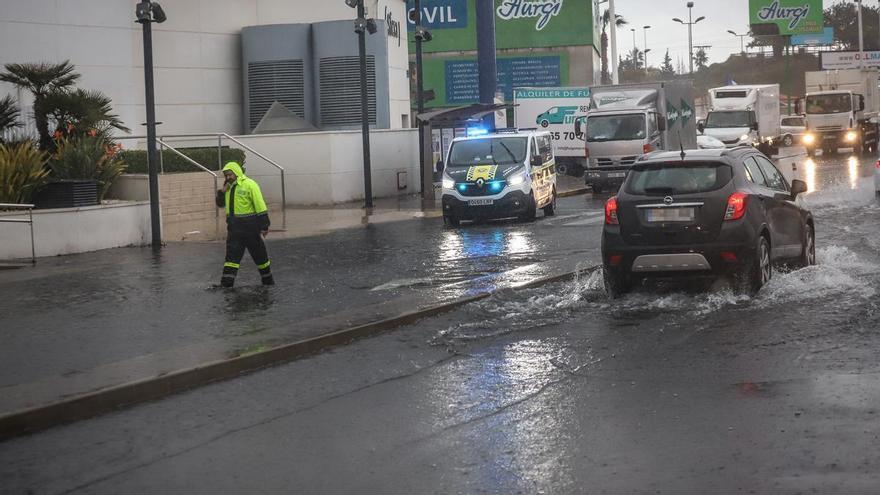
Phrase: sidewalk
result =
(78, 324)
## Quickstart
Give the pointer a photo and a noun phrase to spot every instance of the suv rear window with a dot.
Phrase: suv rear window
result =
(677, 178)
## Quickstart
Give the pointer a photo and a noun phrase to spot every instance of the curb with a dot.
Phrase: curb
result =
(96, 403)
(573, 192)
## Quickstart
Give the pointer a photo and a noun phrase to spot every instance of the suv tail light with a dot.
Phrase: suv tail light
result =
(647, 148)
(586, 151)
(878, 163)
(736, 206)
(611, 211)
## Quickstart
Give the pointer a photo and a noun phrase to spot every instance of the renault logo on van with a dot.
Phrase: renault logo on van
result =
(479, 182)
(668, 200)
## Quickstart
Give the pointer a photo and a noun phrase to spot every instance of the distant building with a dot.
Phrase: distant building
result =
(220, 65)
(539, 43)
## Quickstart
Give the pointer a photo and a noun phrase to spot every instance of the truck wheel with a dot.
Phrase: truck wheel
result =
(550, 209)
(787, 140)
(562, 169)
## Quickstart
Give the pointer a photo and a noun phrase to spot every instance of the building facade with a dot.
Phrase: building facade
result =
(200, 75)
(547, 43)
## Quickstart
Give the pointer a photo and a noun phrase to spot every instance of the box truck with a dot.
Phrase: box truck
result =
(555, 110)
(627, 121)
(744, 115)
(841, 108)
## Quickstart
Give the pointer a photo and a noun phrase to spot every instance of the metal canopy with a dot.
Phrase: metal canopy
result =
(451, 116)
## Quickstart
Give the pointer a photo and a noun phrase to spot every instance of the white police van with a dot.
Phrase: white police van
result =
(508, 173)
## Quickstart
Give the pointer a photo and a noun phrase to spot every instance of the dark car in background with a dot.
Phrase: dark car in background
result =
(706, 214)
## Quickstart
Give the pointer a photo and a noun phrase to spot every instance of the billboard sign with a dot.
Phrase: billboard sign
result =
(850, 60)
(791, 16)
(518, 24)
(553, 110)
(826, 37)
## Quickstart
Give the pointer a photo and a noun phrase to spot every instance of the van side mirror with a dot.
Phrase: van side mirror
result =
(754, 126)
(439, 166)
(537, 161)
(578, 128)
(797, 106)
(797, 187)
(701, 127)
(861, 103)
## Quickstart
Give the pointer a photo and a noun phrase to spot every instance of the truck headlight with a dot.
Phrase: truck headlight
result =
(808, 139)
(516, 179)
(448, 183)
(851, 136)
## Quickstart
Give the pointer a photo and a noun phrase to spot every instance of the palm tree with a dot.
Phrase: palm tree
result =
(81, 111)
(701, 59)
(41, 79)
(606, 20)
(8, 115)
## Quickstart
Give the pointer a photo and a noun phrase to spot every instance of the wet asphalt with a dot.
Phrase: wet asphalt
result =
(549, 390)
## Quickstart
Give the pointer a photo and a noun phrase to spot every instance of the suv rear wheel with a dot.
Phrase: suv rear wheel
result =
(760, 270)
(616, 284)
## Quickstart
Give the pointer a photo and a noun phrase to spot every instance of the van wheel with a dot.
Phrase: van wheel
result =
(550, 210)
(787, 140)
(616, 285)
(451, 221)
(531, 209)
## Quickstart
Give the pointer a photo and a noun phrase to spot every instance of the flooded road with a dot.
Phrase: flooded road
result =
(555, 389)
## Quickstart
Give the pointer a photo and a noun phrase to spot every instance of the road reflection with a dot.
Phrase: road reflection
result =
(853, 169)
(810, 174)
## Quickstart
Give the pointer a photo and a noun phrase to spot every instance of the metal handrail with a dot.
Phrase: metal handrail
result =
(30, 220)
(220, 136)
(163, 144)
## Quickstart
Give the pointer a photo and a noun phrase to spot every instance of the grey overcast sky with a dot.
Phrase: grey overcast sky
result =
(721, 15)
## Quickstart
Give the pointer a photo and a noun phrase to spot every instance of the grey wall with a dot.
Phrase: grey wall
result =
(311, 43)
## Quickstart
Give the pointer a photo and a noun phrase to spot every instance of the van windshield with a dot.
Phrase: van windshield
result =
(729, 119)
(495, 150)
(677, 178)
(838, 103)
(616, 127)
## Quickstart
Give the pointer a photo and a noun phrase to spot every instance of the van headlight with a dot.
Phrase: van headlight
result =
(516, 179)
(448, 183)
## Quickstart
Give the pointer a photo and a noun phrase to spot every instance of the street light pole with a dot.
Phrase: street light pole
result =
(690, 25)
(861, 36)
(147, 13)
(646, 28)
(420, 100)
(361, 26)
(635, 50)
(615, 77)
(742, 46)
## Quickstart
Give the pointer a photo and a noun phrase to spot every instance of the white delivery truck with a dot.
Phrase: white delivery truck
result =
(629, 120)
(841, 107)
(555, 110)
(744, 115)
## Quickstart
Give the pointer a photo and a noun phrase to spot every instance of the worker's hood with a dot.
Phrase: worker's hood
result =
(236, 169)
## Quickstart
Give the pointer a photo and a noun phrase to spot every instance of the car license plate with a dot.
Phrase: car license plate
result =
(671, 214)
(615, 175)
(481, 202)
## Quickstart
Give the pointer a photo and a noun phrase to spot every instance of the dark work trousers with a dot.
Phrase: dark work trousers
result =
(236, 243)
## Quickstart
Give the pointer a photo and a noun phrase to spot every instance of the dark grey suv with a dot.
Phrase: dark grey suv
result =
(711, 213)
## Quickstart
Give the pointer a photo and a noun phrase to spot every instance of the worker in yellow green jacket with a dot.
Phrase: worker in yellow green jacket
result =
(247, 224)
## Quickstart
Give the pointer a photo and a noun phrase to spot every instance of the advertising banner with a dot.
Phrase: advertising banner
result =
(455, 80)
(850, 60)
(518, 24)
(553, 110)
(826, 37)
(792, 16)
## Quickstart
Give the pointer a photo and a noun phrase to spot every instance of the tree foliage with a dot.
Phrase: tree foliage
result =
(606, 21)
(701, 59)
(666, 68)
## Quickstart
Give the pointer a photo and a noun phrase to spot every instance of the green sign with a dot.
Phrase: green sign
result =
(518, 24)
(792, 16)
(671, 115)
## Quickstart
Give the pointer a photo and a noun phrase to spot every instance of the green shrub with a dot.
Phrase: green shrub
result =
(172, 162)
(22, 171)
(85, 157)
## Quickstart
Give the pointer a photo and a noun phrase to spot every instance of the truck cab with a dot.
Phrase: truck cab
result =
(840, 108)
(744, 115)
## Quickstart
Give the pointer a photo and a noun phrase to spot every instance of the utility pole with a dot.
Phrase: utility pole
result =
(420, 100)
(147, 13)
(615, 77)
(486, 63)
(690, 24)
(861, 36)
(646, 28)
